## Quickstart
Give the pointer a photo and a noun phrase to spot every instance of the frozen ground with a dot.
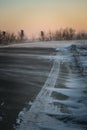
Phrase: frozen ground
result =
(62, 101)
(51, 79)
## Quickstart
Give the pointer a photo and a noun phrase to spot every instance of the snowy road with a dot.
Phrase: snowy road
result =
(61, 101)
(46, 83)
(23, 72)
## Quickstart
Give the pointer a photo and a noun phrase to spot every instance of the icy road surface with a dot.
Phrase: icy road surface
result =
(62, 101)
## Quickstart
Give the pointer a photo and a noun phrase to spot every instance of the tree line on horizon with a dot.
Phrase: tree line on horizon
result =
(6, 37)
(61, 34)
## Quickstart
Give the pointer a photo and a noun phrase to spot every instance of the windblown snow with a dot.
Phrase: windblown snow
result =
(62, 102)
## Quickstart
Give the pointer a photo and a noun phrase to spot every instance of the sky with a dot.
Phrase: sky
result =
(36, 15)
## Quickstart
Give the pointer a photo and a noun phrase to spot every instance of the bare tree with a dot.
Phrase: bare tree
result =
(81, 35)
(42, 35)
(71, 33)
(21, 35)
(0, 37)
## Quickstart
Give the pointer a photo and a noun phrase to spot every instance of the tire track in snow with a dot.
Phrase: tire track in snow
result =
(37, 118)
(51, 80)
(45, 93)
(41, 102)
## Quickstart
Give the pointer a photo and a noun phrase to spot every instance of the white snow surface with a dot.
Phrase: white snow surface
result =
(41, 115)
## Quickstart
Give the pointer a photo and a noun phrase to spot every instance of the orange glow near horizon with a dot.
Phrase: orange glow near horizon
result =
(36, 15)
